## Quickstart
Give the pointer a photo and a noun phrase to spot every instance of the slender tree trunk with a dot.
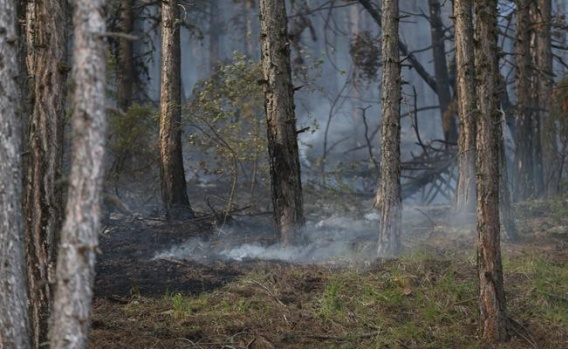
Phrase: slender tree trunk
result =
(388, 194)
(524, 160)
(537, 174)
(506, 208)
(441, 71)
(283, 151)
(543, 55)
(70, 318)
(467, 108)
(125, 60)
(174, 188)
(215, 28)
(492, 307)
(14, 324)
(250, 27)
(43, 205)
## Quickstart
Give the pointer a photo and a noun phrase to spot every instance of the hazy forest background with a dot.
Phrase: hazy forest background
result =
(284, 174)
(336, 67)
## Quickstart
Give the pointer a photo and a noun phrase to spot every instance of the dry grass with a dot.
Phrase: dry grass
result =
(426, 299)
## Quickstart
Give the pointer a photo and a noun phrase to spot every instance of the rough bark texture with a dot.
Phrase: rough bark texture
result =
(43, 204)
(441, 71)
(70, 318)
(388, 194)
(283, 152)
(493, 316)
(526, 106)
(174, 188)
(467, 108)
(125, 60)
(14, 326)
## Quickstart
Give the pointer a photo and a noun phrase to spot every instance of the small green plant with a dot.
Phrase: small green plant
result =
(331, 303)
(181, 305)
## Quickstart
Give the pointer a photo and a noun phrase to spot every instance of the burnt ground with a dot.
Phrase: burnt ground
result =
(126, 265)
(270, 308)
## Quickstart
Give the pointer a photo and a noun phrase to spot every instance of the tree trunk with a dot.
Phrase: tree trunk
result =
(537, 103)
(465, 190)
(441, 71)
(215, 29)
(250, 42)
(543, 55)
(283, 152)
(14, 325)
(524, 160)
(43, 205)
(174, 189)
(506, 208)
(388, 194)
(493, 314)
(70, 318)
(125, 60)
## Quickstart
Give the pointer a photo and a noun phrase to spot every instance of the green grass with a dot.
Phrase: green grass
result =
(318, 307)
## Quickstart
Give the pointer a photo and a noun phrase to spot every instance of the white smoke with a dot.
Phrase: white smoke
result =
(332, 239)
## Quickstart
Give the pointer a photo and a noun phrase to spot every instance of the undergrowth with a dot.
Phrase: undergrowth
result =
(414, 302)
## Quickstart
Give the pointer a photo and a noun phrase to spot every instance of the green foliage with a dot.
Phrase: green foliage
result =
(227, 113)
(132, 139)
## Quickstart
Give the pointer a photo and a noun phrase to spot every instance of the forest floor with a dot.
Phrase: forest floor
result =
(196, 284)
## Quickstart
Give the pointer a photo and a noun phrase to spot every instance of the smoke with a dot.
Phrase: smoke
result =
(336, 238)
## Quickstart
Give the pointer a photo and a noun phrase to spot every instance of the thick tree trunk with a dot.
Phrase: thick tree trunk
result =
(43, 204)
(283, 152)
(524, 161)
(14, 325)
(174, 188)
(493, 314)
(465, 191)
(441, 71)
(125, 60)
(70, 318)
(388, 194)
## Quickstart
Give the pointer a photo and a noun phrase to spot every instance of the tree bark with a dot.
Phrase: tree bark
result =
(441, 72)
(388, 194)
(493, 315)
(283, 151)
(467, 108)
(70, 318)
(524, 160)
(43, 199)
(174, 187)
(14, 325)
